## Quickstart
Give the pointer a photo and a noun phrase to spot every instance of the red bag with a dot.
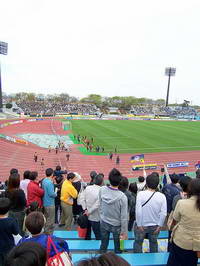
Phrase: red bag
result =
(82, 232)
(60, 259)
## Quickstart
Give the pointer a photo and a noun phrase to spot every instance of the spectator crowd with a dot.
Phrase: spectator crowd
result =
(52, 107)
(30, 208)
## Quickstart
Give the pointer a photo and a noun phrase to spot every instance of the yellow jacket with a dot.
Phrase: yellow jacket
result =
(68, 192)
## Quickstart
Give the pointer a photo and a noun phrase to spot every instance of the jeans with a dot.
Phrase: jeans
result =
(140, 236)
(106, 229)
(95, 226)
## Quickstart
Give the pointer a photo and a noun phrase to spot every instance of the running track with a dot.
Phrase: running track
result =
(19, 156)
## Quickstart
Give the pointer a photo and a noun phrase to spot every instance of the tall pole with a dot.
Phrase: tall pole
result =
(169, 71)
(1, 100)
(168, 86)
(3, 51)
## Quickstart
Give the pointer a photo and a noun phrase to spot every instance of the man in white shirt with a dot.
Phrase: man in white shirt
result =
(151, 211)
(91, 206)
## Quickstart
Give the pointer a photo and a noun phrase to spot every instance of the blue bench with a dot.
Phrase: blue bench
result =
(74, 235)
(145, 259)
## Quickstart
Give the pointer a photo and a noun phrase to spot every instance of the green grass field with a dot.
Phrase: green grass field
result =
(140, 136)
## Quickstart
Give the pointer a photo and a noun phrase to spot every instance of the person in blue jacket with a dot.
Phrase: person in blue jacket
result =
(35, 223)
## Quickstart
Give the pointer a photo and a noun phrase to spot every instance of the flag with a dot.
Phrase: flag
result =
(137, 158)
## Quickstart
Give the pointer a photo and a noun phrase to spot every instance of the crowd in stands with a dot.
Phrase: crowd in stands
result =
(172, 111)
(47, 106)
(30, 208)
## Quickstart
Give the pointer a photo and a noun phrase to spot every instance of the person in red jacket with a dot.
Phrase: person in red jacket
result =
(34, 191)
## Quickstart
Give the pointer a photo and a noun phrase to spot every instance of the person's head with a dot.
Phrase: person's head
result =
(141, 179)
(27, 174)
(33, 175)
(106, 259)
(133, 188)
(152, 181)
(114, 177)
(4, 206)
(58, 168)
(194, 190)
(71, 177)
(13, 182)
(13, 171)
(198, 173)
(35, 222)
(27, 254)
(184, 183)
(123, 185)
(49, 172)
(98, 180)
(174, 178)
(92, 175)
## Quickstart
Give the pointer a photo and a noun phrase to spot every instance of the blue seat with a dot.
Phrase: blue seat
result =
(74, 235)
(145, 259)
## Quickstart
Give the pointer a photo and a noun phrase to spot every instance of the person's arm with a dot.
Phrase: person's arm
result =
(15, 227)
(167, 174)
(163, 211)
(50, 190)
(38, 191)
(124, 216)
(73, 192)
(22, 198)
(138, 210)
(177, 214)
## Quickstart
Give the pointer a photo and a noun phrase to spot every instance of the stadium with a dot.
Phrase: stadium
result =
(99, 133)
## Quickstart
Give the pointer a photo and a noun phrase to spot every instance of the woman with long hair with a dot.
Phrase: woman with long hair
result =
(186, 233)
(17, 199)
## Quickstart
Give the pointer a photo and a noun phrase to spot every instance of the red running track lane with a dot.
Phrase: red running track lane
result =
(19, 156)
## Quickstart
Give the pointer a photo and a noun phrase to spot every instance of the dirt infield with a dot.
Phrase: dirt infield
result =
(13, 155)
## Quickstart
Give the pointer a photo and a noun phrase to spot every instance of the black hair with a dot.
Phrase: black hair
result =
(141, 179)
(106, 259)
(98, 180)
(152, 181)
(184, 183)
(194, 190)
(70, 176)
(133, 187)
(27, 174)
(58, 168)
(198, 173)
(27, 254)
(114, 177)
(13, 171)
(174, 178)
(123, 185)
(49, 172)
(4, 205)
(33, 175)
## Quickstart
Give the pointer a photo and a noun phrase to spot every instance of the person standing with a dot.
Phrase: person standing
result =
(49, 200)
(186, 232)
(34, 191)
(68, 193)
(90, 204)
(113, 212)
(35, 157)
(117, 159)
(110, 155)
(24, 183)
(151, 211)
(17, 201)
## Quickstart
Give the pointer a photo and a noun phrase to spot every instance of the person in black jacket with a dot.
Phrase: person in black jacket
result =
(58, 174)
(17, 199)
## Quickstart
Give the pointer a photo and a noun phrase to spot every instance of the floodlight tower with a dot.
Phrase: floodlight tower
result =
(169, 71)
(3, 50)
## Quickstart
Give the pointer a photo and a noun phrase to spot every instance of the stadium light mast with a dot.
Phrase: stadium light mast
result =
(169, 71)
(3, 51)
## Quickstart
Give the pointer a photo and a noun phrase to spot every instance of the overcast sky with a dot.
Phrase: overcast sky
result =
(107, 47)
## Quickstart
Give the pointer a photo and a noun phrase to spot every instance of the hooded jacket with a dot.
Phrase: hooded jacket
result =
(113, 207)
